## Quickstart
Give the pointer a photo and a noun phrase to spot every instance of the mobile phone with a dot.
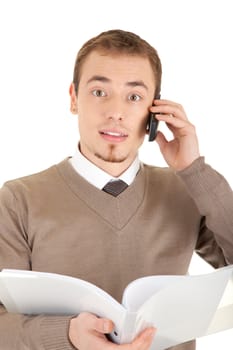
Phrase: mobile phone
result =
(153, 124)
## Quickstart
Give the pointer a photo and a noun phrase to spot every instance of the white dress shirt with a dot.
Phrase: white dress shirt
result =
(98, 177)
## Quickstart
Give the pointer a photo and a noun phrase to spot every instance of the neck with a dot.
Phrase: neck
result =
(114, 169)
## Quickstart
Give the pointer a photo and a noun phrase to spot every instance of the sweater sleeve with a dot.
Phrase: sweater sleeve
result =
(19, 332)
(214, 199)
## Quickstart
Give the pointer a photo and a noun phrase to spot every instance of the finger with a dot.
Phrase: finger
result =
(144, 340)
(169, 109)
(103, 325)
(179, 127)
(172, 120)
(161, 140)
(162, 102)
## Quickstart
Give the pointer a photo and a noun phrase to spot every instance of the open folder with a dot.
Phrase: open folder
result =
(180, 307)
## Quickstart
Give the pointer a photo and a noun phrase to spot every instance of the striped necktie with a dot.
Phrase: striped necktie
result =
(115, 187)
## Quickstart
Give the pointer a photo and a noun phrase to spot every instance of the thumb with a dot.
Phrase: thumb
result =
(161, 140)
(103, 325)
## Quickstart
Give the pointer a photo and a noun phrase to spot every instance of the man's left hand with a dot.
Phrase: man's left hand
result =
(183, 149)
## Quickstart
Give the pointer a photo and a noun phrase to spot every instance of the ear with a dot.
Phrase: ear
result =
(73, 99)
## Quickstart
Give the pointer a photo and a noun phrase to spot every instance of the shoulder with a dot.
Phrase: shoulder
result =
(157, 174)
(33, 182)
(164, 180)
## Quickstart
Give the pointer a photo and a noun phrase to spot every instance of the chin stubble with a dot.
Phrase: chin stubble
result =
(111, 157)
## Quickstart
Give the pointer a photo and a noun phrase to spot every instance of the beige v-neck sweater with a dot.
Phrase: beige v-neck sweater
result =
(56, 221)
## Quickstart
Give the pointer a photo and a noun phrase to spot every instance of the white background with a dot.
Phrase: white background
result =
(39, 40)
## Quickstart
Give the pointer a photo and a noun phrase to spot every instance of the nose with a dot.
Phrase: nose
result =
(115, 110)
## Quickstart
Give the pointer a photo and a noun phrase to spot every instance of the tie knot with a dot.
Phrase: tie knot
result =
(115, 187)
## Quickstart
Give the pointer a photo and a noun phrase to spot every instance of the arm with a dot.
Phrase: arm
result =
(210, 191)
(19, 331)
(214, 199)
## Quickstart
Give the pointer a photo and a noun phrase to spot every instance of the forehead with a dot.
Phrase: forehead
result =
(118, 67)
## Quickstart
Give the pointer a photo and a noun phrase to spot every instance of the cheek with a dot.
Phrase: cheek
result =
(84, 106)
(84, 127)
(142, 125)
(85, 116)
(88, 112)
(83, 123)
(139, 132)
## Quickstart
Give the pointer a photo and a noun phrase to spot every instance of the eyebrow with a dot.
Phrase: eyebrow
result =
(99, 78)
(107, 80)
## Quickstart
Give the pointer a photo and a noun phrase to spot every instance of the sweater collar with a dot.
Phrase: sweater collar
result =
(117, 211)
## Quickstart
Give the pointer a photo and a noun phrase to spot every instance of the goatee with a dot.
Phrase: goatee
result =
(112, 157)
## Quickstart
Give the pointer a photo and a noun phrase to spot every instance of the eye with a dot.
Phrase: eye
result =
(134, 97)
(98, 93)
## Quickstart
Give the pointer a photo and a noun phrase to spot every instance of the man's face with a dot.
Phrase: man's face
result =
(114, 94)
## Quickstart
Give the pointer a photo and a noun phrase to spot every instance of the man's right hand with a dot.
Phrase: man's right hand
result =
(87, 332)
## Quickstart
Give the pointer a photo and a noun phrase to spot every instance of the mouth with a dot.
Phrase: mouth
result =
(113, 135)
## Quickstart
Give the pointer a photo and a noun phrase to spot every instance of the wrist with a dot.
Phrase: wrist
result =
(55, 333)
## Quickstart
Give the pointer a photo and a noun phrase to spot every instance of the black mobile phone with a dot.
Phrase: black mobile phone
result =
(153, 124)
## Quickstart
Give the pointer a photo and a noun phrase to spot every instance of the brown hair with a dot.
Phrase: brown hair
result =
(119, 42)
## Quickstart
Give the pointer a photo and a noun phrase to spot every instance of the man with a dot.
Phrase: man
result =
(60, 220)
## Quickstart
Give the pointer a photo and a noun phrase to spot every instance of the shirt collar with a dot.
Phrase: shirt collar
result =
(97, 176)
